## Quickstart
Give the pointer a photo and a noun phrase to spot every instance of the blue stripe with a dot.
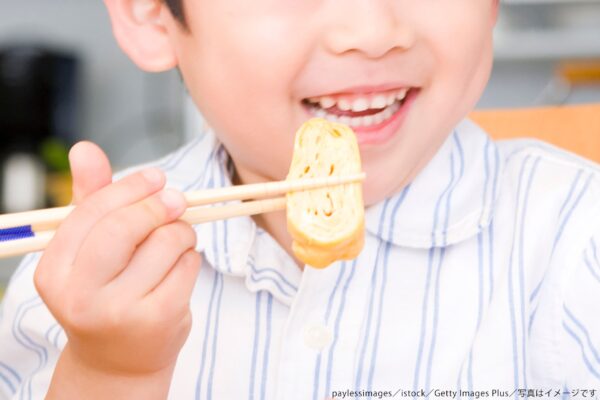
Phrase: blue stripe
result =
(379, 314)
(11, 371)
(336, 331)
(571, 191)
(206, 333)
(583, 356)
(47, 335)
(560, 213)
(491, 228)
(486, 175)
(273, 271)
(479, 306)
(269, 279)
(522, 269)
(326, 318)
(568, 216)
(531, 318)
(585, 332)
(425, 305)
(277, 282)
(436, 298)
(216, 277)
(367, 331)
(491, 259)
(59, 331)
(510, 283)
(480, 252)
(222, 284)
(384, 280)
(565, 393)
(591, 268)
(255, 345)
(215, 337)
(200, 181)
(23, 339)
(265, 370)
(8, 383)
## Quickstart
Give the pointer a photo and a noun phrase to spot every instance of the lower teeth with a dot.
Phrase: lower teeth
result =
(356, 122)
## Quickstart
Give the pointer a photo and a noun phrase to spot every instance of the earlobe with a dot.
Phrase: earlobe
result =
(140, 29)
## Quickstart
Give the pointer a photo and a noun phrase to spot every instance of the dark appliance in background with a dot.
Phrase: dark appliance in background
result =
(38, 123)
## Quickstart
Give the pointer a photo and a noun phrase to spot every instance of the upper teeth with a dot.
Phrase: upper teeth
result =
(361, 103)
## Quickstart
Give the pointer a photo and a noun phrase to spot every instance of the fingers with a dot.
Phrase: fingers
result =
(90, 169)
(111, 243)
(74, 229)
(173, 294)
(154, 258)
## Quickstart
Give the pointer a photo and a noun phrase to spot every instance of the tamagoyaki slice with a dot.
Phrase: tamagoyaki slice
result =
(326, 224)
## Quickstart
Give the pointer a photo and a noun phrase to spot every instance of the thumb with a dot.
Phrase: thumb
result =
(90, 169)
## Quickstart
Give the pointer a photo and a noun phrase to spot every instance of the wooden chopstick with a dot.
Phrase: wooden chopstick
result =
(193, 215)
(50, 218)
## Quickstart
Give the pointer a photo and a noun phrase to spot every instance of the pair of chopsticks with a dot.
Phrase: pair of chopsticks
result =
(30, 231)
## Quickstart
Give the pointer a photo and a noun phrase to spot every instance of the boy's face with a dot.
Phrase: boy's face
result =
(259, 69)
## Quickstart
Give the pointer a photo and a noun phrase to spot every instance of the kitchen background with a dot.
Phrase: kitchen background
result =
(99, 95)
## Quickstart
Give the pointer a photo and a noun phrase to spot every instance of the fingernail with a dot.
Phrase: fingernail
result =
(173, 199)
(153, 176)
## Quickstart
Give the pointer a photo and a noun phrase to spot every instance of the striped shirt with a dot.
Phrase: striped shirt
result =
(480, 277)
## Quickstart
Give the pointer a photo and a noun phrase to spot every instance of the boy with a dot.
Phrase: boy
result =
(480, 272)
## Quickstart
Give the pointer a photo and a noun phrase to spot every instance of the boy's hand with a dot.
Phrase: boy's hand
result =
(120, 271)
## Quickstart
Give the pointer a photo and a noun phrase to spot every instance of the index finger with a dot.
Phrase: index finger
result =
(63, 249)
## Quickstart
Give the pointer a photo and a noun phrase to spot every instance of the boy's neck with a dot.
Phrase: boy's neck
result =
(275, 223)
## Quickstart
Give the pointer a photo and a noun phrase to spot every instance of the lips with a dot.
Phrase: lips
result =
(375, 117)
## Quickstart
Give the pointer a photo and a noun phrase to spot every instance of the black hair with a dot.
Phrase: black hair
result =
(176, 7)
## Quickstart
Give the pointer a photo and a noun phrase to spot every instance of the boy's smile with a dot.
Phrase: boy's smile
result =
(374, 114)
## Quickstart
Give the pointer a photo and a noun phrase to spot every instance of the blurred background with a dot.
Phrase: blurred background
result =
(63, 79)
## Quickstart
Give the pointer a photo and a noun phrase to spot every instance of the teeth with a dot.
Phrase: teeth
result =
(378, 102)
(386, 104)
(390, 99)
(356, 122)
(320, 113)
(402, 94)
(378, 118)
(367, 120)
(345, 120)
(360, 104)
(344, 105)
(327, 102)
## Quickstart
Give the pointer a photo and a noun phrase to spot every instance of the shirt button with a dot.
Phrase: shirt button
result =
(317, 337)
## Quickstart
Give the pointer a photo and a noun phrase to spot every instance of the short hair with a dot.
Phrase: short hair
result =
(176, 8)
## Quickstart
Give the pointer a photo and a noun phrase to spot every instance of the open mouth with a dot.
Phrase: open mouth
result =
(359, 111)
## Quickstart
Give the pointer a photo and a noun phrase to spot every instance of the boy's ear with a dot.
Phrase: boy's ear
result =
(140, 29)
(495, 7)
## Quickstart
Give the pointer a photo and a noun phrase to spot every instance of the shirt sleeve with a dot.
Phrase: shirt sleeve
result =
(30, 338)
(579, 333)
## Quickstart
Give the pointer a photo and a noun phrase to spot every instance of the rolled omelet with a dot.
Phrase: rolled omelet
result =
(327, 224)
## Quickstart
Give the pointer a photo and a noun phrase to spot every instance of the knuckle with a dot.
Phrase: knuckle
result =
(91, 209)
(153, 210)
(74, 314)
(40, 281)
(119, 226)
(186, 234)
(191, 259)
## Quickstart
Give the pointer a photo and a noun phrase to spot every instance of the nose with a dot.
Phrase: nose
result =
(370, 27)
